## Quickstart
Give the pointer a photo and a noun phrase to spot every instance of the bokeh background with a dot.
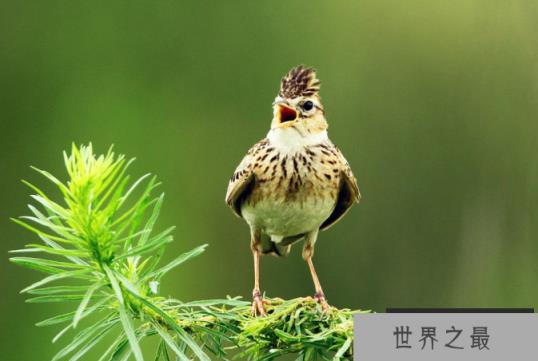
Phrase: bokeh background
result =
(434, 103)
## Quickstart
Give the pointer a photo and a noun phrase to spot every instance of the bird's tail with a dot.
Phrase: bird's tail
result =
(276, 250)
(280, 249)
(272, 248)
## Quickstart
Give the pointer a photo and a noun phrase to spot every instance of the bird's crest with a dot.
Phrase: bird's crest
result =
(299, 81)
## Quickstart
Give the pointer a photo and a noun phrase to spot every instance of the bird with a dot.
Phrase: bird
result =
(294, 182)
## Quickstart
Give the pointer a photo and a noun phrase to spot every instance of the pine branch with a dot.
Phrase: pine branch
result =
(100, 249)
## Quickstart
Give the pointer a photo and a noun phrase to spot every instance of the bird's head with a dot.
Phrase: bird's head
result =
(298, 104)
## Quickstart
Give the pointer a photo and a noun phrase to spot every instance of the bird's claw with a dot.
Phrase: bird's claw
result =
(320, 298)
(258, 308)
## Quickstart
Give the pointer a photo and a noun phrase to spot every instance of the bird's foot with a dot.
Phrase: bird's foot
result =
(258, 308)
(320, 298)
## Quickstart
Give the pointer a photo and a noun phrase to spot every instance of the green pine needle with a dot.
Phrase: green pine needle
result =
(101, 253)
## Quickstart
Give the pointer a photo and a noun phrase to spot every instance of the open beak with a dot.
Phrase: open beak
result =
(286, 114)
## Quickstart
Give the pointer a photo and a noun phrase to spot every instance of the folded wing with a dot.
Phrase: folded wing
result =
(348, 193)
(243, 179)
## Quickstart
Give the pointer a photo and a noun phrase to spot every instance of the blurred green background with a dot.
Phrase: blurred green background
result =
(434, 104)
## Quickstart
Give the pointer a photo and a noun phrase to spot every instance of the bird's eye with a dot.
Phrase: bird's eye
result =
(308, 105)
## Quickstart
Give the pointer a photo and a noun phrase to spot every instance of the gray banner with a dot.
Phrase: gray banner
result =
(446, 337)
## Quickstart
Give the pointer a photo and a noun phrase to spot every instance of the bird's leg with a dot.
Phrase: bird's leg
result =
(308, 252)
(319, 296)
(257, 297)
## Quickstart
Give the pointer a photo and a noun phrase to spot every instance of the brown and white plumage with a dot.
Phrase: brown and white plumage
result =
(295, 181)
(317, 170)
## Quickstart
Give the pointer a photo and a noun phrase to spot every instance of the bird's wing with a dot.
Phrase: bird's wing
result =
(347, 195)
(243, 179)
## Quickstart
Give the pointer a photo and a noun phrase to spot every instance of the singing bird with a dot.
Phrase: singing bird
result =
(294, 182)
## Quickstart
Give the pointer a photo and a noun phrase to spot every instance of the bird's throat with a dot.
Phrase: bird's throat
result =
(291, 140)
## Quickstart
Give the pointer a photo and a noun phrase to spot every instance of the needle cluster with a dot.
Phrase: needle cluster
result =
(99, 248)
(298, 326)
